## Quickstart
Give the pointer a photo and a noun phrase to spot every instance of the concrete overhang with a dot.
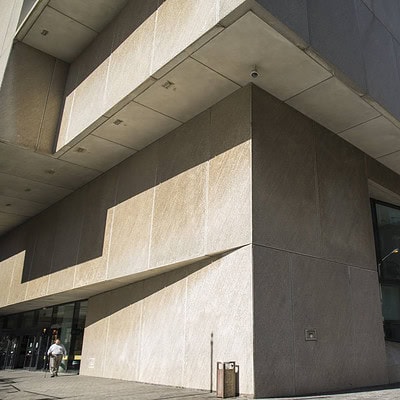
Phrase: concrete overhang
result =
(214, 65)
(85, 292)
(74, 23)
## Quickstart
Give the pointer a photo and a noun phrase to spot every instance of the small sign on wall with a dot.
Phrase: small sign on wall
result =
(311, 335)
(91, 362)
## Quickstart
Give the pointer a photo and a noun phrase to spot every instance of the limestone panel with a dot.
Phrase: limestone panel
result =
(47, 170)
(6, 12)
(92, 57)
(187, 90)
(61, 281)
(96, 230)
(7, 270)
(68, 229)
(97, 153)
(229, 222)
(230, 121)
(322, 301)
(273, 324)
(131, 18)
(88, 102)
(227, 6)
(123, 336)
(219, 320)
(137, 174)
(229, 176)
(99, 199)
(344, 203)
(335, 35)
(179, 24)
(291, 13)
(130, 240)
(161, 349)
(382, 175)
(9, 15)
(184, 149)
(178, 231)
(388, 12)
(367, 328)
(135, 51)
(285, 204)
(37, 287)
(48, 131)
(44, 229)
(93, 269)
(18, 287)
(94, 344)
(65, 120)
(377, 45)
(24, 92)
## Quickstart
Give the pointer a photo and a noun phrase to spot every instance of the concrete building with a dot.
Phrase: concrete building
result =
(190, 181)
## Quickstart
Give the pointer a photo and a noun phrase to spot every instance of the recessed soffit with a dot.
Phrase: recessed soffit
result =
(74, 23)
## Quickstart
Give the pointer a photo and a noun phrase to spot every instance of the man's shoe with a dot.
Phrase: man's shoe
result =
(52, 376)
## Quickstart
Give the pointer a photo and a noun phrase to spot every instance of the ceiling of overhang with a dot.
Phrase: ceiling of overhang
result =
(74, 23)
(30, 182)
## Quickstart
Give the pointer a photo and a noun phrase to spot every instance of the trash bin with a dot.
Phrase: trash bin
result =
(226, 379)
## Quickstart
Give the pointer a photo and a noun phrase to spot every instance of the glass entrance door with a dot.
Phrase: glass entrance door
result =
(29, 352)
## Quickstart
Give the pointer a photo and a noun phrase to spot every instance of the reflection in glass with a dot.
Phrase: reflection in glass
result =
(388, 238)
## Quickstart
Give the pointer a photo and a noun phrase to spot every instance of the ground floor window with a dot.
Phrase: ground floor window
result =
(387, 240)
(25, 337)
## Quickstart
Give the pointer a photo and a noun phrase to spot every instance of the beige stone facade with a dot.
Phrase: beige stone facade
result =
(192, 169)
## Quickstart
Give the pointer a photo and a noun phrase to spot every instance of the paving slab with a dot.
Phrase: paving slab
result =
(36, 385)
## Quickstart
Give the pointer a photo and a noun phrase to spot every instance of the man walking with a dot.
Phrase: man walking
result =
(56, 352)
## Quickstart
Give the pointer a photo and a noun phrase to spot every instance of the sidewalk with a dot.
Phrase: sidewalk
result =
(26, 385)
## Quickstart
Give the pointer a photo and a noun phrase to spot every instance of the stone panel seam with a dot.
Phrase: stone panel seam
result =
(207, 183)
(79, 242)
(184, 334)
(154, 41)
(294, 380)
(70, 17)
(317, 195)
(382, 22)
(152, 221)
(46, 104)
(109, 241)
(103, 366)
(218, 73)
(139, 349)
(67, 139)
(353, 338)
(12, 280)
(311, 256)
(8, 27)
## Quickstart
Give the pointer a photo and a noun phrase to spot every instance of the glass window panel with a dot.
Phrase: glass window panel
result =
(388, 225)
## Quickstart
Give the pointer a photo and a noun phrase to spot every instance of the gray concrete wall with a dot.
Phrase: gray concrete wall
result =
(360, 38)
(314, 259)
(168, 204)
(9, 14)
(31, 98)
(172, 329)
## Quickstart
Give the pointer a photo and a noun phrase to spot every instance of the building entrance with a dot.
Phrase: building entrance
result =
(25, 337)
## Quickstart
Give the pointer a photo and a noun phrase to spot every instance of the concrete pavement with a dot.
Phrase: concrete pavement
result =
(26, 385)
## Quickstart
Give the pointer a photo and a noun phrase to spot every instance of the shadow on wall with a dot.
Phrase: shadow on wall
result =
(112, 36)
(121, 298)
(73, 230)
